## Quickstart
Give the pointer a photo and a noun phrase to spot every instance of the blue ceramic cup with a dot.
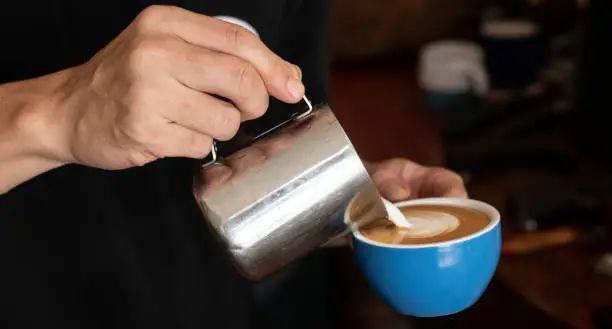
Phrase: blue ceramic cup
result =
(433, 279)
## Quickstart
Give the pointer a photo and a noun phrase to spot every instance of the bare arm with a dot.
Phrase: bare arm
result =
(29, 138)
(147, 95)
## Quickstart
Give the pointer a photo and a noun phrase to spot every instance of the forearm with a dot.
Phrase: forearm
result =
(29, 128)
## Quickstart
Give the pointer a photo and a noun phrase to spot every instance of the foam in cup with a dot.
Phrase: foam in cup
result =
(426, 224)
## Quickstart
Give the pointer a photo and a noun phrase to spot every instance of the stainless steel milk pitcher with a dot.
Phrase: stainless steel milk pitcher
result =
(285, 194)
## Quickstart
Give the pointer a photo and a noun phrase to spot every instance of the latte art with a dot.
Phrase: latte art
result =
(427, 224)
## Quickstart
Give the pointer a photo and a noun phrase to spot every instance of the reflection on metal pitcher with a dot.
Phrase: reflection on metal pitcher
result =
(285, 195)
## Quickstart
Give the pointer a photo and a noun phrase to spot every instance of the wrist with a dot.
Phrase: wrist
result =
(32, 121)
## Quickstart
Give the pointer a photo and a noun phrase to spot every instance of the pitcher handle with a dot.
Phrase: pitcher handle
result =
(213, 149)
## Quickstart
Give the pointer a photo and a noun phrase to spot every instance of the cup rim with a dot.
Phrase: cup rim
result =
(486, 208)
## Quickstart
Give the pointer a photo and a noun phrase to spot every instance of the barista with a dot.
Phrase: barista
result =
(103, 108)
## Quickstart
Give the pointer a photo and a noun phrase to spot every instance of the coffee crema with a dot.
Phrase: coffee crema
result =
(431, 224)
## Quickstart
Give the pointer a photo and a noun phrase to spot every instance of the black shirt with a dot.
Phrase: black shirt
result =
(87, 248)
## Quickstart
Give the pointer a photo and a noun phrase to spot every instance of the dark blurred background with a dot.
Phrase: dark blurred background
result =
(511, 94)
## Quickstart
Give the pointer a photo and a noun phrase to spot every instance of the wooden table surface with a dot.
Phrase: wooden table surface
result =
(378, 105)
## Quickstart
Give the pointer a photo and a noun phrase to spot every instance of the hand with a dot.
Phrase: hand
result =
(401, 179)
(149, 93)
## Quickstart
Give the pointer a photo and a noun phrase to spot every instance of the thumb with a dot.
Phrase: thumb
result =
(394, 192)
(440, 182)
(456, 192)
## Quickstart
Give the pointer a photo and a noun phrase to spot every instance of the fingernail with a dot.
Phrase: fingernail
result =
(296, 88)
(298, 72)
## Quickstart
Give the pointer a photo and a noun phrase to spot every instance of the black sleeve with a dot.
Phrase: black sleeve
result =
(305, 43)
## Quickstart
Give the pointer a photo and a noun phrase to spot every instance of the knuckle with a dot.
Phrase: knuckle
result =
(158, 18)
(140, 52)
(246, 77)
(138, 158)
(136, 130)
(251, 93)
(151, 16)
(236, 36)
(158, 150)
(136, 95)
(143, 50)
(192, 57)
(261, 107)
(229, 122)
(201, 144)
(448, 174)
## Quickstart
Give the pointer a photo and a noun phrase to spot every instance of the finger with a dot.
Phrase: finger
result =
(456, 192)
(440, 182)
(452, 186)
(176, 141)
(281, 77)
(394, 169)
(203, 113)
(223, 75)
(393, 191)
